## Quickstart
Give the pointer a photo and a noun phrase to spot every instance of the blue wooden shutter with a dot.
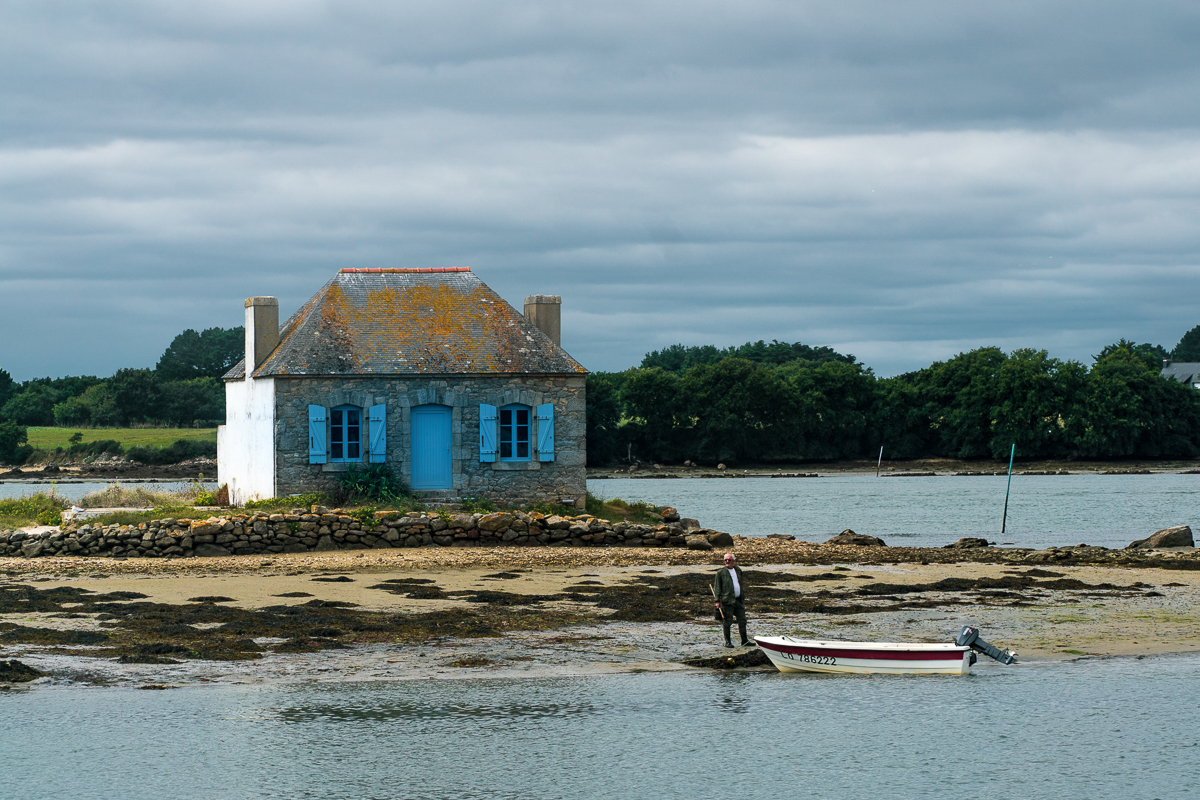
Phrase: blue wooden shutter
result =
(545, 419)
(487, 432)
(316, 434)
(378, 432)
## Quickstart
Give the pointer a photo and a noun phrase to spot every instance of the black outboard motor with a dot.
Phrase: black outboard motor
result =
(969, 637)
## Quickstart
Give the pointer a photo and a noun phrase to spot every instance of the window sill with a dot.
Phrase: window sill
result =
(515, 466)
(339, 466)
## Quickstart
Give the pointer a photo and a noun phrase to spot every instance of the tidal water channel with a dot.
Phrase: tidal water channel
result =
(76, 490)
(1086, 729)
(1043, 510)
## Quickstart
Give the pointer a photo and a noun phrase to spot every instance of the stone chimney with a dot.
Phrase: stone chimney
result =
(545, 312)
(262, 330)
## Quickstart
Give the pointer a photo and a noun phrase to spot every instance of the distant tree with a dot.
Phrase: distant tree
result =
(1130, 411)
(960, 399)
(208, 354)
(1188, 348)
(1152, 354)
(830, 405)
(733, 410)
(657, 416)
(101, 407)
(33, 405)
(900, 419)
(13, 437)
(8, 386)
(678, 358)
(72, 413)
(604, 413)
(135, 394)
(184, 402)
(1036, 405)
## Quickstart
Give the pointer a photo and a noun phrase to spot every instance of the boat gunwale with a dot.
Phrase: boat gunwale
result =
(884, 651)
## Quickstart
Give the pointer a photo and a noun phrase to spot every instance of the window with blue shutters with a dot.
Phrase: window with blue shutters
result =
(514, 433)
(317, 453)
(545, 432)
(377, 430)
(345, 433)
(488, 417)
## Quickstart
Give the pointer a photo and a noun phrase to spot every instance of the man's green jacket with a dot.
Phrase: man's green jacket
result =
(723, 585)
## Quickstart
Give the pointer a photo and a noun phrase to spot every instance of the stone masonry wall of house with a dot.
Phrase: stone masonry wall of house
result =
(562, 480)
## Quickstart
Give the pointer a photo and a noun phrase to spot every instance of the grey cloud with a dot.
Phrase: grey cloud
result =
(901, 182)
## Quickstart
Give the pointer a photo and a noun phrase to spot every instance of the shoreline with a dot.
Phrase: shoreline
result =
(433, 613)
(192, 470)
(918, 467)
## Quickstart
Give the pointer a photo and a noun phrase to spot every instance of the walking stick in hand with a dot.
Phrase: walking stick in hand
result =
(720, 610)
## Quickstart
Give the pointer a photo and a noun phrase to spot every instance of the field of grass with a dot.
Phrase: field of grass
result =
(50, 438)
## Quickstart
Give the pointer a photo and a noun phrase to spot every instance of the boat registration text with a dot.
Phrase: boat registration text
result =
(829, 660)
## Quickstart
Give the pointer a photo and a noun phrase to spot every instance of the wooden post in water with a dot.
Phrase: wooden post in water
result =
(880, 461)
(1004, 521)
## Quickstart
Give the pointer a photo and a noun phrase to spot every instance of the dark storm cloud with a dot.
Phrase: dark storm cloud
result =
(900, 181)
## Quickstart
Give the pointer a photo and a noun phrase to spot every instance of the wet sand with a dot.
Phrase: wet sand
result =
(438, 613)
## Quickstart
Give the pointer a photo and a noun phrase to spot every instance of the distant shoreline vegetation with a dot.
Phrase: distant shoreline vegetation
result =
(759, 402)
(182, 391)
(764, 402)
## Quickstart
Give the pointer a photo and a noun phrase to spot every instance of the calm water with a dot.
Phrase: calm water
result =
(1093, 729)
(74, 491)
(1107, 510)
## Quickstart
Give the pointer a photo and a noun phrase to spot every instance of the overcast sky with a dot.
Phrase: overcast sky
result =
(900, 181)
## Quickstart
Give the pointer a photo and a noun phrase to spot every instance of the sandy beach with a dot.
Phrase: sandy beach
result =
(450, 612)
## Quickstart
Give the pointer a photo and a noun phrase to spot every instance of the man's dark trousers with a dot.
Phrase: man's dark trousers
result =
(729, 610)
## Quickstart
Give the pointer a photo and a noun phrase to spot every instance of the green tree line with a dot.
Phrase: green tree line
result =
(183, 389)
(779, 402)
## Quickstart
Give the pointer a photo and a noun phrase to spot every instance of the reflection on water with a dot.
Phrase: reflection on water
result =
(1059, 510)
(1088, 729)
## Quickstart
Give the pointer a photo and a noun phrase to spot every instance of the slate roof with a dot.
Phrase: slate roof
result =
(434, 321)
(1182, 371)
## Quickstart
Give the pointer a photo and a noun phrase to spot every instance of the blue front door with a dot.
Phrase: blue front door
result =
(431, 447)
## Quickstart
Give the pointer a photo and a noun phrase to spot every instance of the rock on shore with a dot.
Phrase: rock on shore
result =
(857, 539)
(1179, 536)
(16, 672)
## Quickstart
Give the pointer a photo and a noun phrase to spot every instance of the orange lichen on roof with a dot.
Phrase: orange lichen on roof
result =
(406, 321)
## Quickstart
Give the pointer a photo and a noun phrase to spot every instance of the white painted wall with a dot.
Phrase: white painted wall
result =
(246, 442)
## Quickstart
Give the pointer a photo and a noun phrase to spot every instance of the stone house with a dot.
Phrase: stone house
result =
(426, 370)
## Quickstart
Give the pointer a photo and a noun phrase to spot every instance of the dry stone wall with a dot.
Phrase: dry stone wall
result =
(319, 529)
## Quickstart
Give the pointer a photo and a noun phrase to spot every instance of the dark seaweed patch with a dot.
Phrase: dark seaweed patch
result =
(17, 672)
(293, 594)
(48, 636)
(748, 658)
(502, 598)
(211, 598)
(338, 579)
(412, 588)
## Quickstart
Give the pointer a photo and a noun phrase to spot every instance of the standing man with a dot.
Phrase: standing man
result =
(730, 591)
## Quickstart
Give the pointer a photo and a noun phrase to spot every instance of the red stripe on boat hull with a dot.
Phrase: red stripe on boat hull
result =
(877, 655)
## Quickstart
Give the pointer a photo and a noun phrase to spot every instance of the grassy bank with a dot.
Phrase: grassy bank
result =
(50, 438)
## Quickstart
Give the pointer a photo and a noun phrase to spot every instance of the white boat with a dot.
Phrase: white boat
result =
(815, 655)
